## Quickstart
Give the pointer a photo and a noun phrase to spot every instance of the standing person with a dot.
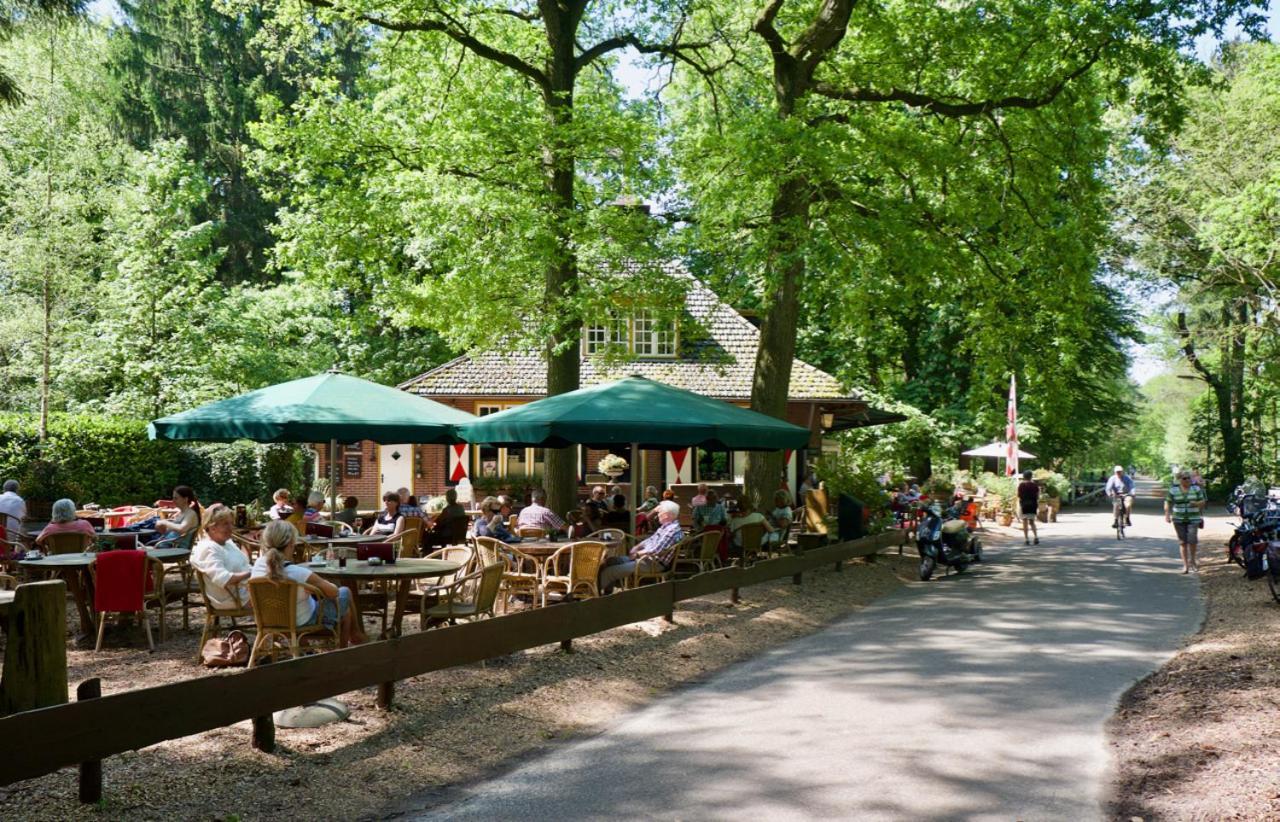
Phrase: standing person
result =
(1184, 507)
(13, 508)
(1121, 483)
(1028, 504)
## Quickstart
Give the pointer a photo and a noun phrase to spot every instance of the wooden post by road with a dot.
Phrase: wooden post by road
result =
(90, 772)
(35, 658)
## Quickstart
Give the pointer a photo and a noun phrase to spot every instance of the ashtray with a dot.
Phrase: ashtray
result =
(375, 560)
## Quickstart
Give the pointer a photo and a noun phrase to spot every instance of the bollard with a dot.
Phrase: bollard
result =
(90, 772)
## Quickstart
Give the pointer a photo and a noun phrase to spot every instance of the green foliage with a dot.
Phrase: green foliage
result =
(846, 472)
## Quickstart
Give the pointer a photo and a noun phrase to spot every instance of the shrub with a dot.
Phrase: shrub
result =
(843, 474)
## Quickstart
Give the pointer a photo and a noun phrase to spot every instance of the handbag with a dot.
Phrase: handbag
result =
(226, 652)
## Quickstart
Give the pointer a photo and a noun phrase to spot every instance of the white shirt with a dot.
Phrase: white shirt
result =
(295, 573)
(219, 563)
(12, 507)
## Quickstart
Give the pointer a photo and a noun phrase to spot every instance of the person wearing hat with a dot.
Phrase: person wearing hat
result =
(1184, 507)
(1121, 483)
(1028, 504)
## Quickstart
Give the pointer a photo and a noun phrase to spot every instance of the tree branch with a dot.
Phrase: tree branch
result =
(1189, 351)
(451, 29)
(763, 26)
(961, 108)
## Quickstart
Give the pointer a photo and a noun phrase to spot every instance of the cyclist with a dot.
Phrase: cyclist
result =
(1119, 484)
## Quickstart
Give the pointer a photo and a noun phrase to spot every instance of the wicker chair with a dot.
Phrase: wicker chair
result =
(8, 583)
(275, 613)
(616, 541)
(701, 555)
(752, 539)
(213, 615)
(464, 555)
(584, 561)
(531, 532)
(640, 576)
(249, 543)
(70, 542)
(120, 581)
(468, 597)
(169, 587)
(411, 538)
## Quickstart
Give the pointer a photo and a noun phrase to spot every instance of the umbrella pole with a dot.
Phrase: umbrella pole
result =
(333, 478)
(635, 483)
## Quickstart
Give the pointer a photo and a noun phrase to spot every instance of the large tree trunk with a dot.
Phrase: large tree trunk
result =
(561, 280)
(772, 378)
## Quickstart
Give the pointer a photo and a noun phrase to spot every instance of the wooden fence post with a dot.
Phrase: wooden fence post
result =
(35, 658)
(795, 580)
(386, 693)
(264, 733)
(566, 645)
(90, 772)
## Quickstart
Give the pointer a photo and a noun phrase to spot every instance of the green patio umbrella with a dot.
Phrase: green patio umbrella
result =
(639, 412)
(330, 406)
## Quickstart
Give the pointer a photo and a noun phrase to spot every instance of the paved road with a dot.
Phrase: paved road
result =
(981, 696)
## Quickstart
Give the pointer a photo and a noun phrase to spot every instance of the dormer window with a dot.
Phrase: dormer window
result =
(643, 334)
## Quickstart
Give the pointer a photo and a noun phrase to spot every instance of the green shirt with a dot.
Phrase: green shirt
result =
(1185, 505)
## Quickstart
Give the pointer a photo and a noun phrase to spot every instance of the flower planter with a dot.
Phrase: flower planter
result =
(1006, 518)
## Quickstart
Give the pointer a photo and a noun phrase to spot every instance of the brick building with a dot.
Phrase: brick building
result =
(717, 361)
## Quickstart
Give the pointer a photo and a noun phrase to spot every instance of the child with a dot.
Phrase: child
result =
(282, 509)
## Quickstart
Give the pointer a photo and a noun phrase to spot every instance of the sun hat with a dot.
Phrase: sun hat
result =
(1118, 469)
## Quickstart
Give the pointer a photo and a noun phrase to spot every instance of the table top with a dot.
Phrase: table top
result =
(352, 539)
(116, 532)
(400, 569)
(83, 560)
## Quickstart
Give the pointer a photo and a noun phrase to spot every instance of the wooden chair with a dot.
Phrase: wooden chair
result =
(583, 561)
(752, 538)
(468, 597)
(120, 582)
(531, 532)
(67, 543)
(275, 613)
(165, 590)
(411, 538)
(702, 555)
(213, 615)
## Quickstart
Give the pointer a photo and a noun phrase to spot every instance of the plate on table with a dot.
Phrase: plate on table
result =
(316, 563)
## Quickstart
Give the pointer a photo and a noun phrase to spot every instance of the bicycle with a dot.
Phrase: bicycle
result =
(1119, 512)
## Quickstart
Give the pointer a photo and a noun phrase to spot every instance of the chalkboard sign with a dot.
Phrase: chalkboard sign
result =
(353, 465)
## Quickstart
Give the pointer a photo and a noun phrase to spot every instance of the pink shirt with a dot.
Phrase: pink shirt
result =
(78, 526)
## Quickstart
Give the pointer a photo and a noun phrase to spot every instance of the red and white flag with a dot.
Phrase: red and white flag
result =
(1011, 430)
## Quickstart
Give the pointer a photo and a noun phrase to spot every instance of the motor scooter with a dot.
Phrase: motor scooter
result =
(942, 538)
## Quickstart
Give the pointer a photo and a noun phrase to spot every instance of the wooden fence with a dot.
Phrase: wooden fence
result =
(85, 732)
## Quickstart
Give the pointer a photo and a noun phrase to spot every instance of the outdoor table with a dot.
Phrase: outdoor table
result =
(141, 532)
(402, 571)
(345, 546)
(71, 567)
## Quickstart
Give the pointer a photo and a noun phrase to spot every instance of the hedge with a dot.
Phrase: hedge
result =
(110, 461)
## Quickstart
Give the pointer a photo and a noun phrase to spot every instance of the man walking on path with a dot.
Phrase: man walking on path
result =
(1122, 483)
(1184, 507)
(1028, 504)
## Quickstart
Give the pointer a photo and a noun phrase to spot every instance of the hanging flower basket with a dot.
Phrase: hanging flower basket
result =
(612, 465)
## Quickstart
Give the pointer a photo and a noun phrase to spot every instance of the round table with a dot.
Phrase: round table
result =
(402, 571)
(105, 532)
(71, 566)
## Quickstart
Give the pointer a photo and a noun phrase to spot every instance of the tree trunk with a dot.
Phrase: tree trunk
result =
(771, 381)
(561, 279)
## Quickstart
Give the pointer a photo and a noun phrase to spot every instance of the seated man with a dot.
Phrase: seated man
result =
(409, 504)
(594, 509)
(656, 552)
(537, 515)
(440, 525)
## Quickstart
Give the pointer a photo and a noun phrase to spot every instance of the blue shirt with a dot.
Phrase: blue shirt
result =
(1121, 484)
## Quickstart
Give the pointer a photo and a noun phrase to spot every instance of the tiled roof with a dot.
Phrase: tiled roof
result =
(720, 366)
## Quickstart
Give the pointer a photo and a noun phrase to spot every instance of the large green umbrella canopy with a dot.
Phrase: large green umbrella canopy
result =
(635, 411)
(315, 409)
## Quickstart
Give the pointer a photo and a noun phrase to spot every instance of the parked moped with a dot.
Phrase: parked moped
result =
(942, 538)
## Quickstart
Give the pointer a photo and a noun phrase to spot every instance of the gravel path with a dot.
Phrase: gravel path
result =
(981, 696)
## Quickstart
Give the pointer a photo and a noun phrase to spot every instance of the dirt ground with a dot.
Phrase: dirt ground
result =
(445, 728)
(1200, 738)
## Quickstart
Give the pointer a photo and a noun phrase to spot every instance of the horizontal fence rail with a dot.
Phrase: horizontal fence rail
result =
(94, 729)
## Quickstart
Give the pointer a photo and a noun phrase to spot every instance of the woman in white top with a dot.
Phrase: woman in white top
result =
(186, 522)
(224, 565)
(276, 563)
(746, 516)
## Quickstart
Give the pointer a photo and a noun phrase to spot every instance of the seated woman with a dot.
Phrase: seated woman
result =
(224, 565)
(389, 523)
(334, 610)
(710, 513)
(492, 521)
(64, 521)
(282, 507)
(183, 523)
(618, 516)
(748, 516)
(315, 507)
(348, 513)
(780, 516)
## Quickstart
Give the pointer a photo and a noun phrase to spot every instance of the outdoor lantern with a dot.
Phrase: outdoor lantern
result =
(828, 420)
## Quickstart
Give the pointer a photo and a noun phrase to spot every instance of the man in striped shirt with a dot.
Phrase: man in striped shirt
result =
(538, 515)
(655, 553)
(1184, 507)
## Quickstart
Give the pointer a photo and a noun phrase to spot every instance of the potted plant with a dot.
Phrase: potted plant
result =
(612, 466)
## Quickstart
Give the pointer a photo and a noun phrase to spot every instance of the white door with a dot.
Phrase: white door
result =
(396, 464)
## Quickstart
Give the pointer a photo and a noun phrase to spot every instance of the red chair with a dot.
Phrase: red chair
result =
(315, 529)
(121, 520)
(384, 551)
(120, 584)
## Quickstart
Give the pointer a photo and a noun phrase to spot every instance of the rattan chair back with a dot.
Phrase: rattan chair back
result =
(68, 542)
